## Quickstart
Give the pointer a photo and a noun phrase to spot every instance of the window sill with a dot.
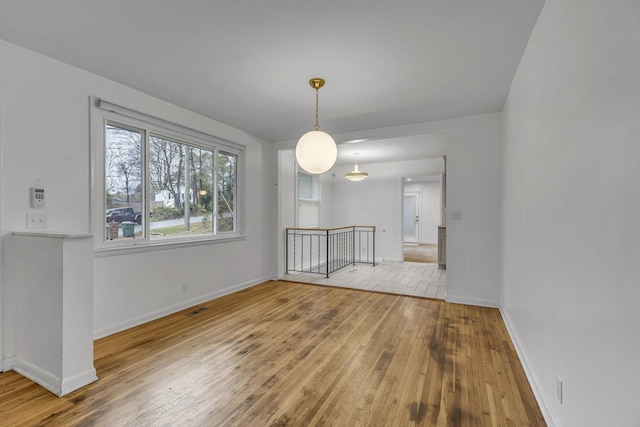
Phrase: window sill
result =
(142, 246)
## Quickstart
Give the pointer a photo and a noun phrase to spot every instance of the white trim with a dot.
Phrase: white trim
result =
(2, 310)
(8, 363)
(165, 125)
(470, 301)
(77, 381)
(38, 375)
(136, 321)
(54, 384)
(52, 234)
(543, 403)
(157, 245)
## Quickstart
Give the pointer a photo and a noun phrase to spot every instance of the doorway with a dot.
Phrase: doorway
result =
(422, 212)
(411, 214)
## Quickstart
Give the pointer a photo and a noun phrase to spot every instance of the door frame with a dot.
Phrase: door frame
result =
(438, 177)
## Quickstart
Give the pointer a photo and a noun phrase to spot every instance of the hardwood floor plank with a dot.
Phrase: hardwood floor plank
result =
(290, 354)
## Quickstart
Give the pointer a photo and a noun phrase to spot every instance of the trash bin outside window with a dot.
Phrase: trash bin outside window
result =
(112, 230)
(128, 228)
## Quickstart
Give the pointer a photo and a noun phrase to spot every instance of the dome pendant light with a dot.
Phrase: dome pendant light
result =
(356, 174)
(316, 151)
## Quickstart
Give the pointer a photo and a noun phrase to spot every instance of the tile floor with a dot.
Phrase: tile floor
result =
(406, 278)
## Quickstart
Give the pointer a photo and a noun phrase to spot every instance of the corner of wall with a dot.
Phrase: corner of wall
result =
(543, 402)
(461, 299)
(2, 368)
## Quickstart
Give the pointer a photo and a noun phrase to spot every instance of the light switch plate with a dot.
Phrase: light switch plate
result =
(36, 220)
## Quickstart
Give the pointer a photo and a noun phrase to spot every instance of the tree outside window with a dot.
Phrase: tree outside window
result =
(173, 188)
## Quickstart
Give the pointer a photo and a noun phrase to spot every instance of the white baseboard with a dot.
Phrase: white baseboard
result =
(8, 363)
(543, 402)
(471, 301)
(77, 381)
(130, 323)
(38, 376)
(54, 384)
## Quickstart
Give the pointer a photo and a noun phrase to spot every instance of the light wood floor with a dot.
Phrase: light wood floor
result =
(424, 252)
(293, 354)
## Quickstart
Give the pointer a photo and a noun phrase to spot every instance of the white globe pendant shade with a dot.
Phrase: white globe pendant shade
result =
(316, 152)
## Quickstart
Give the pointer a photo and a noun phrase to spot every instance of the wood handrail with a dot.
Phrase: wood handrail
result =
(373, 227)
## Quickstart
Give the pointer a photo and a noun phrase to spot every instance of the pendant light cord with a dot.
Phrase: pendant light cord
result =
(317, 126)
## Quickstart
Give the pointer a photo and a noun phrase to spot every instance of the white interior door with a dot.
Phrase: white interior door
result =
(411, 215)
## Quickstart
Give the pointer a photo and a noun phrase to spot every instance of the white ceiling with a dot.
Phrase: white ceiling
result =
(411, 147)
(247, 62)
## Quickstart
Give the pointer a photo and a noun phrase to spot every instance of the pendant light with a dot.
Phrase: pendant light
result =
(316, 151)
(356, 174)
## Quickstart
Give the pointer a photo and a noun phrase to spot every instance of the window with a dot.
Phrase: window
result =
(161, 182)
(226, 191)
(307, 186)
(308, 200)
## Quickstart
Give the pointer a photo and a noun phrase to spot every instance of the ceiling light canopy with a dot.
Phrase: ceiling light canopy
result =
(356, 174)
(316, 151)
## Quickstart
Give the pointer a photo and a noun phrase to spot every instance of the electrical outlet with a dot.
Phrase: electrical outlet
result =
(456, 215)
(36, 220)
(559, 389)
(185, 287)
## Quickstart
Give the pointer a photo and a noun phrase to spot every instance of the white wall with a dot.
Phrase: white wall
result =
(286, 202)
(326, 202)
(572, 208)
(372, 202)
(378, 200)
(473, 187)
(45, 139)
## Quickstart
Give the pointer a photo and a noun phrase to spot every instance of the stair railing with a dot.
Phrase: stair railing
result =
(326, 250)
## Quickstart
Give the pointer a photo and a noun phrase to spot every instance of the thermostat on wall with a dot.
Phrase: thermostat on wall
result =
(37, 197)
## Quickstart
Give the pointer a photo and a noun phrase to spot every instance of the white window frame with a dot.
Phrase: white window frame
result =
(102, 112)
(310, 203)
